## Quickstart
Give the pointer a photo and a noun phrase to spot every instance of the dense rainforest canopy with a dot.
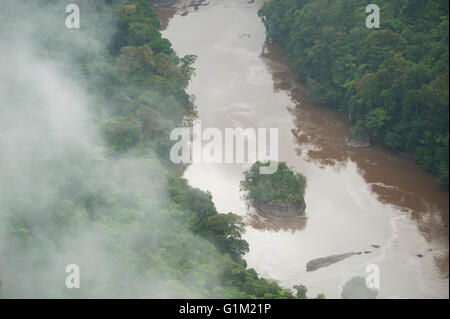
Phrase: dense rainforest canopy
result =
(391, 82)
(282, 189)
(85, 176)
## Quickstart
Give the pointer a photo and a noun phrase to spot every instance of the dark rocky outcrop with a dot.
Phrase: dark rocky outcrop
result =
(358, 143)
(281, 209)
(327, 261)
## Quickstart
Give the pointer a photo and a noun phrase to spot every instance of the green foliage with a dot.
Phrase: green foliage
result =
(185, 65)
(359, 130)
(284, 186)
(301, 291)
(122, 132)
(138, 25)
(226, 231)
(375, 120)
(391, 82)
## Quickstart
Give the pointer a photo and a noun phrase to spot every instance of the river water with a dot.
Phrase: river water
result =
(355, 198)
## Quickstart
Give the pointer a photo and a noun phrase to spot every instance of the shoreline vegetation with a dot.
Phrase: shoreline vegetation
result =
(280, 194)
(391, 83)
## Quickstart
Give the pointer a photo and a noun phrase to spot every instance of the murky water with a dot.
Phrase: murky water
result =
(355, 198)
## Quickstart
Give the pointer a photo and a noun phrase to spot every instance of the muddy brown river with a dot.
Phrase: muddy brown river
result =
(355, 198)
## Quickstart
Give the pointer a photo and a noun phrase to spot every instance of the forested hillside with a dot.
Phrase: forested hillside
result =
(85, 176)
(391, 82)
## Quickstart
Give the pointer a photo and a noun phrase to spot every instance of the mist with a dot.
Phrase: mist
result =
(64, 199)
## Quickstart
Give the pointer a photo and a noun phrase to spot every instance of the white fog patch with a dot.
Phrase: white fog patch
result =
(51, 151)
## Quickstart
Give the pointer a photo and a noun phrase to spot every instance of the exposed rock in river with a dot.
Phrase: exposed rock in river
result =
(327, 261)
(281, 209)
(358, 143)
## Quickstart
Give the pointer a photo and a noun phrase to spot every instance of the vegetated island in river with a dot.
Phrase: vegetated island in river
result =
(280, 194)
